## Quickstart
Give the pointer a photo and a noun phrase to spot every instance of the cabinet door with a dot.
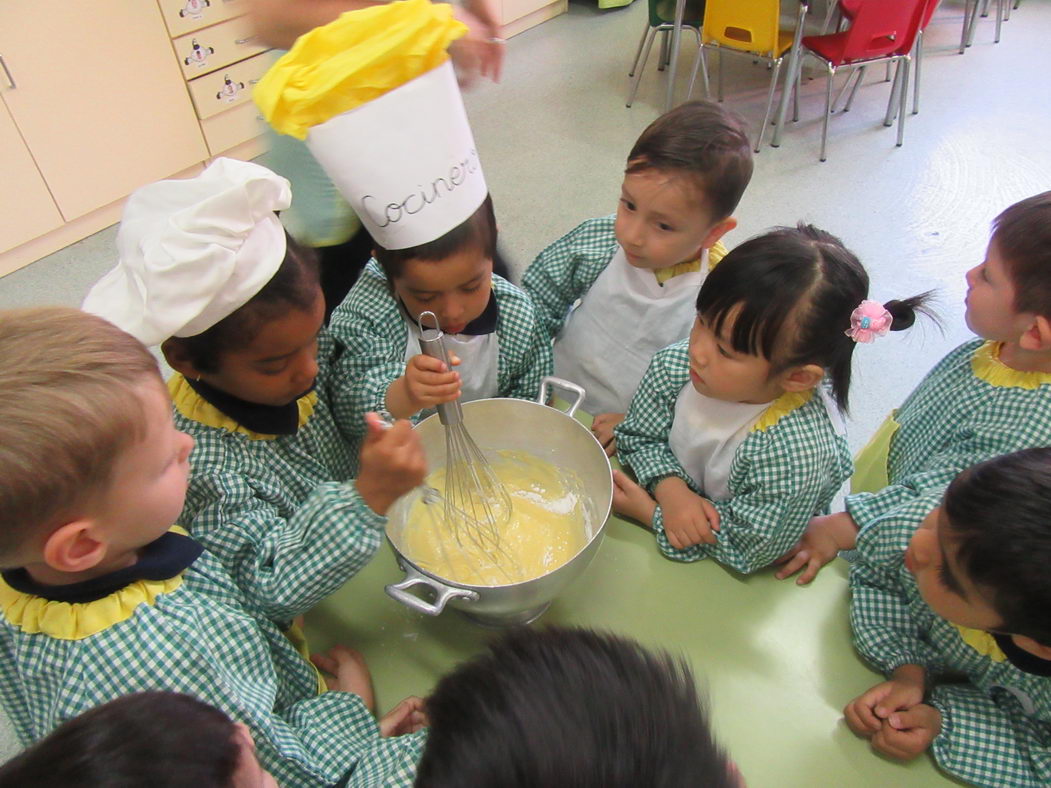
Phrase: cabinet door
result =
(100, 99)
(26, 207)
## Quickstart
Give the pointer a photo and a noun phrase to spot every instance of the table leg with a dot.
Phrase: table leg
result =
(790, 75)
(676, 36)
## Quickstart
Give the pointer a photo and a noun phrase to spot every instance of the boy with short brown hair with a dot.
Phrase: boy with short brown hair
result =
(100, 596)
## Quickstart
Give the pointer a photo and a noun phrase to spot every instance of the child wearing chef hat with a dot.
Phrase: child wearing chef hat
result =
(207, 272)
(376, 99)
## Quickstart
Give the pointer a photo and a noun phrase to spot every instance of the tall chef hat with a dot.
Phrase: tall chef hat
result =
(193, 251)
(375, 97)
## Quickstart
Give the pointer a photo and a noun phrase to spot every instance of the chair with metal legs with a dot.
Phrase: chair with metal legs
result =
(879, 33)
(972, 9)
(743, 27)
(661, 20)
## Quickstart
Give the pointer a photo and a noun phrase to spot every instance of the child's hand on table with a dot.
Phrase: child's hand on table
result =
(631, 500)
(689, 519)
(427, 382)
(602, 427)
(347, 672)
(868, 713)
(909, 733)
(392, 463)
(408, 716)
(824, 537)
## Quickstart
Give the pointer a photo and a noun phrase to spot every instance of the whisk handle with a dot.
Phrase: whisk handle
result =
(431, 344)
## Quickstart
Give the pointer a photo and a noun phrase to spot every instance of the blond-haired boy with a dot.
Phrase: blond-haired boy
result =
(100, 596)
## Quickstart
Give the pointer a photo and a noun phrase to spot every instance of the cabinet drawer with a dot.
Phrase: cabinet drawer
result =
(231, 128)
(223, 89)
(185, 16)
(215, 47)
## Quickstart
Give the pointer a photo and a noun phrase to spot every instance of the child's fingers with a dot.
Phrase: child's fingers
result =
(813, 566)
(899, 698)
(860, 720)
(325, 663)
(422, 363)
(710, 513)
(792, 561)
(454, 360)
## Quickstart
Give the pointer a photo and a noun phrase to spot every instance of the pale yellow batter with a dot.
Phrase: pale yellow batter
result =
(547, 527)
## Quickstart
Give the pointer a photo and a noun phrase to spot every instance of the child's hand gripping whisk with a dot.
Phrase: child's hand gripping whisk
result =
(476, 502)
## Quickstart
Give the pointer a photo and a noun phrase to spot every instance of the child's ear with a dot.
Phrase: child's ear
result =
(719, 229)
(802, 378)
(178, 359)
(1030, 645)
(73, 547)
(1038, 336)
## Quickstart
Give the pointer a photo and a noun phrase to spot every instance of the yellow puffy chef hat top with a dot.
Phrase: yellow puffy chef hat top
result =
(193, 251)
(375, 97)
(353, 60)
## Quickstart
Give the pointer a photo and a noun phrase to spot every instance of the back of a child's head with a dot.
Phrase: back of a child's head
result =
(475, 235)
(1022, 236)
(999, 518)
(707, 143)
(156, 739)
(789, 294)
(295, 286)
(570, 707)
(70, 404)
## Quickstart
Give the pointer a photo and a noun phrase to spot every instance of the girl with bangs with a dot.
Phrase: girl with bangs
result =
(737, 432)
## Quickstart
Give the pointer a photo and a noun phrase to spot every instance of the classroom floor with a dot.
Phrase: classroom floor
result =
(554, 134)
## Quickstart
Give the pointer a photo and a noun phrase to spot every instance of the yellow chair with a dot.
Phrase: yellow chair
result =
(743, 27)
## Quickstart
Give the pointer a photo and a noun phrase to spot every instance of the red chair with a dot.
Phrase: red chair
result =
(879, 32)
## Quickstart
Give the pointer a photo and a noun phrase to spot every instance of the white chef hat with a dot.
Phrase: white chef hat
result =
(406, 161)
(193, 251)
(375, 96)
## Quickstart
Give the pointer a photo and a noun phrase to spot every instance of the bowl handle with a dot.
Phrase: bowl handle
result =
(399, 591)
(552, 382)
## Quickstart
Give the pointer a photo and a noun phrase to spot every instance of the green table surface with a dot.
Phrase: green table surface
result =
(775, 659)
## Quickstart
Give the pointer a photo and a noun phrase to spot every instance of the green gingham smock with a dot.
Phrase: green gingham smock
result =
(567, 269)
(370, 326)
(996, 726)
(280, 511)
(193, 634)
(969, 408)
(781, 476)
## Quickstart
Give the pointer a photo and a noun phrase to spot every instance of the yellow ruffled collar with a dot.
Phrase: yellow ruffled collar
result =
(196, 408)
(982, 642)
(781, 407)
(78, 620)
(987, 366)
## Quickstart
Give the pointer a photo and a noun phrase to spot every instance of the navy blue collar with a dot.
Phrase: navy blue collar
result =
(162, 559)
(1022, 659)
(264, 419)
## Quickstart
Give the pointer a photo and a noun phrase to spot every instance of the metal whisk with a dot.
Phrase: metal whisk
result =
(476, 503)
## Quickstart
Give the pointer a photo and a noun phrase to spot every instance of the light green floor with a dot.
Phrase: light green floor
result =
(553, 137)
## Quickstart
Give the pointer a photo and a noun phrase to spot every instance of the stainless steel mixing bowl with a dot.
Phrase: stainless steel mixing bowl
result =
(547, 433)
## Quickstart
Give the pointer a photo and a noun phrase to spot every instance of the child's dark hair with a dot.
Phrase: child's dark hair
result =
(159, 739)
(563, 707)
(705, 140)
(997, 514)
(295, 286)
(790, 293)
(1022, 235)
(477, 233)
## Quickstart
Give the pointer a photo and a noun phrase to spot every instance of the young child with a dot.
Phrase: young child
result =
(207, 271)
(159, 739)
(738, 414)
(491, 327)
(101, 597)
(969, 599)
(989, 396)
(636, 273)
(573, 707)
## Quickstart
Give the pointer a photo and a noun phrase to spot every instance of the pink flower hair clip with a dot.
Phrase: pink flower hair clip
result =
(868, 321)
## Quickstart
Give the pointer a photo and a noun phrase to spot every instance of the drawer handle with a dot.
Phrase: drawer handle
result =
(7, 73)
(243, 41)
